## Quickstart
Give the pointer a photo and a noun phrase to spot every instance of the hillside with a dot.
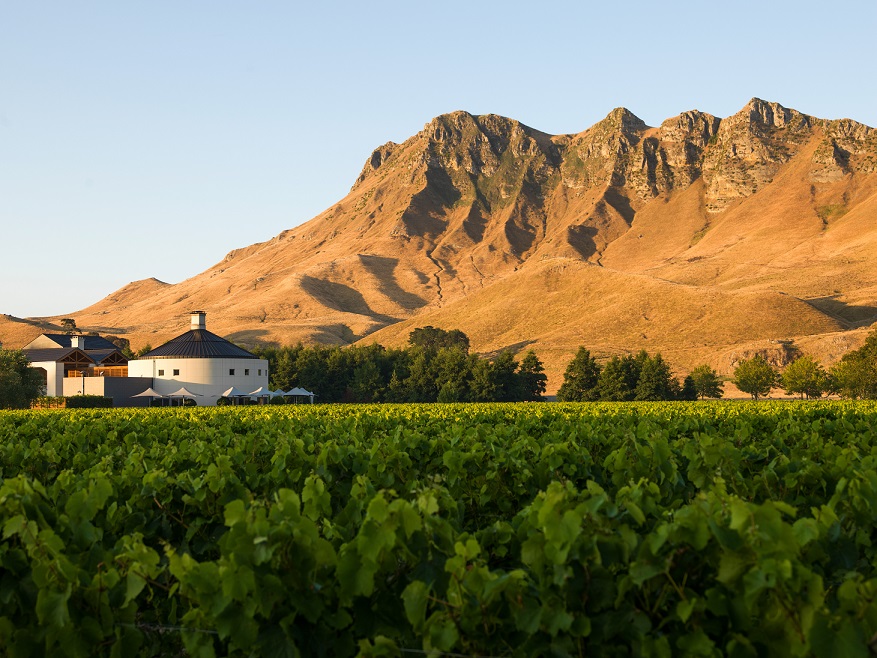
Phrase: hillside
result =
(702, 238)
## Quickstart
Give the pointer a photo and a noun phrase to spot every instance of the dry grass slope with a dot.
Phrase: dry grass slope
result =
(705, 239)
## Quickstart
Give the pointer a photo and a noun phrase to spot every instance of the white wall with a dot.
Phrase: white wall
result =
(54, 376)
(208, 378)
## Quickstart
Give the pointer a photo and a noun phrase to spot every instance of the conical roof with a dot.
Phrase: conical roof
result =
(199, 344)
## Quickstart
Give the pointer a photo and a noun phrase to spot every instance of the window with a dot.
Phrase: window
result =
(161, 373)
(176, 372)
(231, 371)
(260, 372)
(246, 372)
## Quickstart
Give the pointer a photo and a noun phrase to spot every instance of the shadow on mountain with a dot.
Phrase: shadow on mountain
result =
(475, 224)
(250, 337)
(849, 315)
(383, 269)
(339, 297)
(334, 334)
(581, 238)
(514, 347)
(620, 203)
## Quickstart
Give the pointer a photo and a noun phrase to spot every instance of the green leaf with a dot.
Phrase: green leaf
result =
(52, 609)
(415, 598)
(685, 608)
(443, 633)
(848, 641)
(134, 584)
(235, 512)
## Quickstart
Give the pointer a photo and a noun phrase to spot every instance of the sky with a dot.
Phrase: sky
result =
(149, 139)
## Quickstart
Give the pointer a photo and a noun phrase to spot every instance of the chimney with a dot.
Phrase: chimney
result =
(199, 319)
(77, 340)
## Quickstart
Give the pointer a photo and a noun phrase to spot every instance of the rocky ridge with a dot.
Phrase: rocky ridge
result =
(766, 202)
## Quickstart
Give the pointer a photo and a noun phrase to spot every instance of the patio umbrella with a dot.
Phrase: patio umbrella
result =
(148, 393)
(184, 393)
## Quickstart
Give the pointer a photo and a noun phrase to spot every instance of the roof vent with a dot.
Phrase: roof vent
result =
(199, 319)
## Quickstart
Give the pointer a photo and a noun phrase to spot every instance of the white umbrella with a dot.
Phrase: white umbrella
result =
(233, 393)
(300, 392)
(148, 393)
(260, 392)
(184, 393)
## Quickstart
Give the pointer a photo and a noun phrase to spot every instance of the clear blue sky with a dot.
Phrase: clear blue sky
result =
(148, 139)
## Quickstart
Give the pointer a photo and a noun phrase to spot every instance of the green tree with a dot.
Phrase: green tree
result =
(435, 338)
(367, 384)
(854, 378)
(19, 383)
(688, 392)
(483, 386)
(532, 378)
(706, 382)
(453, 373)
(504, 372)
(620, 376)
(855, 375)
(806, 377)
(580, 379)
(655, 381)
(755, 376)
(68, 325)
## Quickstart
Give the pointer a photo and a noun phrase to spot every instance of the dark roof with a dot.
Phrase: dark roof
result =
(100, 356)
(91, 342)
(199, 344)
(53, 354)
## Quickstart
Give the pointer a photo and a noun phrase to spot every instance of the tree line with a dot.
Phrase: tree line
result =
(435, 367)
(631, 377)
(854, 377)
(438, 367)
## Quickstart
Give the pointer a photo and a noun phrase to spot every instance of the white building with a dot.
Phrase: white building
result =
(202, 362)
(66, 361)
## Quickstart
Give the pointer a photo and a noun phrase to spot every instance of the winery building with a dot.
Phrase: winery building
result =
(203, 363)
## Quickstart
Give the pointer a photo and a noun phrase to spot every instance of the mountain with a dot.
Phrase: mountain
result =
(704, 238)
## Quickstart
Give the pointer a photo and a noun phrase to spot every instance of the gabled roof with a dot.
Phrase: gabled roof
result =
(48, 341)
(72, 355)
(199, 344)
(108, 357)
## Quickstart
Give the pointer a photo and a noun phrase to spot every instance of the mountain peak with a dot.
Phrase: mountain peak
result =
(626, 120)
(768, 114)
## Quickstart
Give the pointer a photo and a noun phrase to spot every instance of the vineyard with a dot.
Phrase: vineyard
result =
(647, 529)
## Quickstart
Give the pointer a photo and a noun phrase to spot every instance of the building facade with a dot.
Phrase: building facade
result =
(203, 363)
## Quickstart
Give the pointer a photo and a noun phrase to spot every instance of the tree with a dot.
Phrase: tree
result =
(655, 381)
(483, 387)
(366, 384)
(19, 383)
(706, 382)
(580, 379)
(688, 392)
(805, 377)
(755, 376)
(434, 338)
(532, 378)
(453, 370)
(68, 325)
(504, 371)
(855, 375)
(620, 376)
